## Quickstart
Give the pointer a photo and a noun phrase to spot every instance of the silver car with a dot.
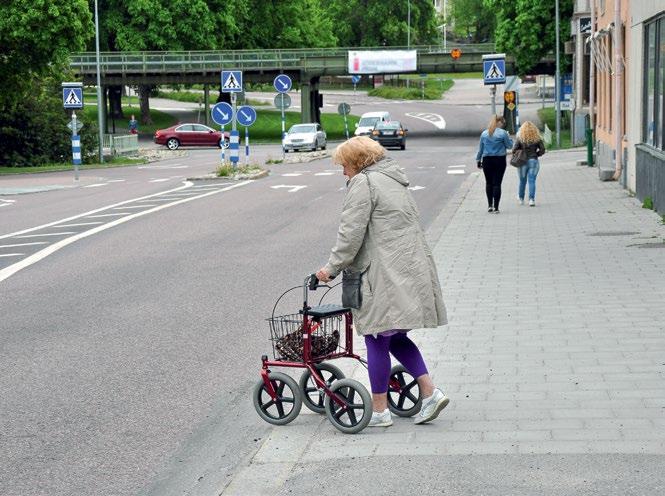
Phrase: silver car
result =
(305, 137)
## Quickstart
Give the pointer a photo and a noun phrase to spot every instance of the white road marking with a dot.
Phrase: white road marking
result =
(163, 166)
(135, 206)
(45, 234)
(108, 215)
(25, 244)
(117, 180)
(11, 254)
(416, 188)
(456, 171)
(462, 166)
(95, 185)
(78, 224)
(5, 204)
(332, 170)
(292, 188)
(428, 167)
(159, 180)
(292, 174)
(324, 174)
(36, 257)
(435, 119)
(142, 198)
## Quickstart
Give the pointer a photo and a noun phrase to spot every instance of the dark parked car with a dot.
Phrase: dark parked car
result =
(190, 135)
(390, 133)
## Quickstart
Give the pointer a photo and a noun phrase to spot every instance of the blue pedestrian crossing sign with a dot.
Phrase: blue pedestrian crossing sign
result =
(246, 115)
(494, 68)
(282, 83)
(222, 113)
(72, 95)
(231, 81)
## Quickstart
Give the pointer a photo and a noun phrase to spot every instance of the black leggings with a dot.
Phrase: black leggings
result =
(494, 168)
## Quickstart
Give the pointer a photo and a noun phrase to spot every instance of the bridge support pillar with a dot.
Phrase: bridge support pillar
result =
(310, 99)
(206, 104)
(105, 119)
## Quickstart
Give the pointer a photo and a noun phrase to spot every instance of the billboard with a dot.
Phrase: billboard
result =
(382, 61)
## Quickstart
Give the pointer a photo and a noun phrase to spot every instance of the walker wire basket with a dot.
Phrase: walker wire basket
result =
(286, 335)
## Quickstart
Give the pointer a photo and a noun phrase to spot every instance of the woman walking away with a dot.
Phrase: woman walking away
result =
(529, 140)
(381, 243)
(491, 157)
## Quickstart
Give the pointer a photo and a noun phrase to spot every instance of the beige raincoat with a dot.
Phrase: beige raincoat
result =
(380, 235)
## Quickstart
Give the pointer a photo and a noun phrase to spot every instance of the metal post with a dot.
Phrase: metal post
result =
(100, 102)
(346, 128)
(557, 90)
(542, 91)
(223, 148)
(284, 125)
(246, 146)
(76, 147)
(493, 93)
(618, 91)
(592, 87)
(408, 33)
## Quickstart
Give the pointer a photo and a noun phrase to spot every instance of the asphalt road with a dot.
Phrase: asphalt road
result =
(127, 357)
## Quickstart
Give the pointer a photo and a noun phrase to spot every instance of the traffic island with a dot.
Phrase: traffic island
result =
(228, 172)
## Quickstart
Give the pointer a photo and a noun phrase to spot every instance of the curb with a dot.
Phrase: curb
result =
(237, 177)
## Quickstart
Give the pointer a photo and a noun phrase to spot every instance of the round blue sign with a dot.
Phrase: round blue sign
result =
(222, 113)
(246, 115)
(282, 83)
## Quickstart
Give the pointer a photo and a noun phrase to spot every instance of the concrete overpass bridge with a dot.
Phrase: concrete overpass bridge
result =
(304, 66)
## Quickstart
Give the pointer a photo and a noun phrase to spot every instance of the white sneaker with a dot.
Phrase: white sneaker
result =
(521, 200)
(382, 419)
(532, 203)
(431, 407)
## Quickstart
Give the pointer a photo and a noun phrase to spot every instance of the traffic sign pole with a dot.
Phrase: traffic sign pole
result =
(493, 93)
(283, 128)
(76, 147)
(346, 128)
(246, 146)
(223, 147)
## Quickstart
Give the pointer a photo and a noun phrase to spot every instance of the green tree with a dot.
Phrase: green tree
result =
(36, 36)
(378, 23)
(525, 29)
(471, 20)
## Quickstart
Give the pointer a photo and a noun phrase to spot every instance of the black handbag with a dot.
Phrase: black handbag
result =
(519, 158)
(351, 294)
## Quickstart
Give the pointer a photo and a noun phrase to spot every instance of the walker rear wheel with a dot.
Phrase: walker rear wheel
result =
(285, 407)
(356, 413)
(311, 396)
(403, 393)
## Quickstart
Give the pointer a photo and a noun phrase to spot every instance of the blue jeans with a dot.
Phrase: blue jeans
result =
(528, 171)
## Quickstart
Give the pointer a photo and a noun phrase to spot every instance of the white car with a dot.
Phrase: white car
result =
(368, 120)
(305, 137)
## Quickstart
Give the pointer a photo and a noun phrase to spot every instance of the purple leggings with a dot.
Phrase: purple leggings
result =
(378, 358)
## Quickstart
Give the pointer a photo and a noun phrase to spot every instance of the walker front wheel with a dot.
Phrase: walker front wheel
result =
(312, 397)
(404, 397)
(356, 411)
(285, 406)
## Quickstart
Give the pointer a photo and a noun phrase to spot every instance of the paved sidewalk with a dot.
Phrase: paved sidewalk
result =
(554, 358)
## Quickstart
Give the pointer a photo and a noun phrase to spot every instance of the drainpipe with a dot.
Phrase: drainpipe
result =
(618, 89)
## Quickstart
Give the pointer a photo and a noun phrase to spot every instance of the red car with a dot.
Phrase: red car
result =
(190, 135)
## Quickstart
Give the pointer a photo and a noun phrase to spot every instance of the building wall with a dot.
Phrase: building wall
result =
(646, 167)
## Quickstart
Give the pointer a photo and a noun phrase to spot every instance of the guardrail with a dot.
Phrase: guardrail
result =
(213, 60)
(121, 144)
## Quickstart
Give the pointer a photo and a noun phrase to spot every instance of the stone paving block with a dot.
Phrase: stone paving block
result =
(580, 413)
(425, 436)
(259, 479)
(622, 424)
(638, 393)
(484, 425)
(585, 434)
(549, 424)
(644, 413)
(552, 447)
(519, 414)
(515, 436)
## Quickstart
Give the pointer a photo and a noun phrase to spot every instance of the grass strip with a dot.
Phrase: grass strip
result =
(58, 167)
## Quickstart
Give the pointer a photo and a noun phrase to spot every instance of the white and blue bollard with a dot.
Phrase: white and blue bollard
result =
(234, 147)
(76, 154)
(246, 146)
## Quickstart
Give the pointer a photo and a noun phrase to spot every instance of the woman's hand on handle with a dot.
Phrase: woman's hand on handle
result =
(323, 275)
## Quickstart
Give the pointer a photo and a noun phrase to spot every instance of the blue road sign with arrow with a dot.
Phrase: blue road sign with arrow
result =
(355, 79)
(222, 113)
(246, 115)
(282, 83)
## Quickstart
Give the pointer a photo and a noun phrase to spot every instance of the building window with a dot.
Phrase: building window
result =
(653, 130)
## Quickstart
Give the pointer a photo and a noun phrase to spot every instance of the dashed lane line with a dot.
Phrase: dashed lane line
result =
(97, 185)
(116, 214)
(45, 234)
(11, 255)
(78, 224)
(142, 198)
(24, 244)
(36, 257)
(135, 206)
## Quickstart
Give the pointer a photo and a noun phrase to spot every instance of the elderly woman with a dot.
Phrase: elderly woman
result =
(380, 238)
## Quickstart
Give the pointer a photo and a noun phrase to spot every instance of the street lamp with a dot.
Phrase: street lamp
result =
(99, 89)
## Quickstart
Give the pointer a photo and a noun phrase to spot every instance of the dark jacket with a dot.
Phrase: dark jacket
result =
(533, 150)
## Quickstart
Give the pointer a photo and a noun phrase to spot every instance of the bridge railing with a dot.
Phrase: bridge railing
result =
(213, 60)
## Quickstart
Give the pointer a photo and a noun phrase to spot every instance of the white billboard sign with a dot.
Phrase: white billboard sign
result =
(382, 61)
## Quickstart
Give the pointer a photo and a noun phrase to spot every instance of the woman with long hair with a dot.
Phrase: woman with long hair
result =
(491, 157)
(529, 140)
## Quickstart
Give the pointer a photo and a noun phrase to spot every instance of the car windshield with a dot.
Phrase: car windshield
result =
(388, 125)
(302, 129)
(368, 121)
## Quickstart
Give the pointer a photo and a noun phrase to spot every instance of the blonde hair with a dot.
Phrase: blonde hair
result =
(358, 152)
(494, 122)
(528, 133)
